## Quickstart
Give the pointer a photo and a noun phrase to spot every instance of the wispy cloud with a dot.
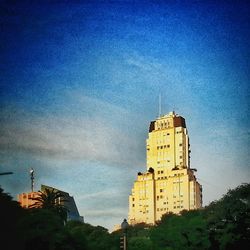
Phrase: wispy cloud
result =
(143, 63)
(106, 213)
(72, 136)
(110, 193)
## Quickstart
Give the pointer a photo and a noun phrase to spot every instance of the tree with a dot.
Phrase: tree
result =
(10, 214)
(229, 220)
(94, 237)
(185, 231)
(138, 243)
(52, 200)
(40, 229)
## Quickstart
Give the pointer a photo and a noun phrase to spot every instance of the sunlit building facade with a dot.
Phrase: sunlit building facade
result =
(169, 184)
(25, 199)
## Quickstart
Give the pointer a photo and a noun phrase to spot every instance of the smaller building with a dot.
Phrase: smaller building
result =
(25, 200)
(69, 203)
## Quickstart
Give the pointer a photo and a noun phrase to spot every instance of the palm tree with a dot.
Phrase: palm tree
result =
(52, 200)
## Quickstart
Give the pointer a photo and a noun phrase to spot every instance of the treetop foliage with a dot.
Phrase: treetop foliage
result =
(222, 225)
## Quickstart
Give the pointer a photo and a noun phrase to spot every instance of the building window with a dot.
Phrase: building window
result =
(133, 205)
(168, 146)
(180, 144)
(161, 190)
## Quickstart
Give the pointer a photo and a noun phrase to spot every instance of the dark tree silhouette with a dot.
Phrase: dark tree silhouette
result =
(52, 200)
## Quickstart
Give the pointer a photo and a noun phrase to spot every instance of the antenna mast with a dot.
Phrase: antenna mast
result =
(32, 179)
(160, 105)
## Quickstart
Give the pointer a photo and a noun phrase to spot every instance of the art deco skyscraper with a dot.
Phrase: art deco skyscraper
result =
(169, 184)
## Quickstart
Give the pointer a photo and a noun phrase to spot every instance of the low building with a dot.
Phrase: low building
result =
(26, 201)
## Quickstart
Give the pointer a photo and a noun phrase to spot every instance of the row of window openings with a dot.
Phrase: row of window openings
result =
(164, 203)
(162, 178)
(165, 146)
(166, 158)
(159, 162)
(166, 209)
(162, 209)
(177, 207)
(158, 197)
(162, 125)
(161, 190)
(179, 174)
(29, 196)
(161, 196)
(165, 178)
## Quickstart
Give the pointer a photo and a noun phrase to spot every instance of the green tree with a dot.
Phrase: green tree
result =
(185, 231)
(229, 220)
(10, 214)
(71, 239)
(95, 238)
(52, 200)
(135, 233)
(40, 229)
(139, 243)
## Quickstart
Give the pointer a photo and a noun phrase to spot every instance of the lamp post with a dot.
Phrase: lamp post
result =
(124, 227)
(6, 173)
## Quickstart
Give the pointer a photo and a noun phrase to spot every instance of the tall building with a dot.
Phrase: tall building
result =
(25, 200)
(169, 184)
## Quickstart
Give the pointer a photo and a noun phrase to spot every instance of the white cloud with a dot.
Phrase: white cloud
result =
(108, 212)
(110, 193)
(99, 137)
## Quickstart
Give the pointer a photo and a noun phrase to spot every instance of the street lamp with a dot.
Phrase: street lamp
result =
(124, 227)
(193, 169)
(6, 173)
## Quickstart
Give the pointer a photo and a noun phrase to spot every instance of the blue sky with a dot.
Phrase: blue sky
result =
(80, 82)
